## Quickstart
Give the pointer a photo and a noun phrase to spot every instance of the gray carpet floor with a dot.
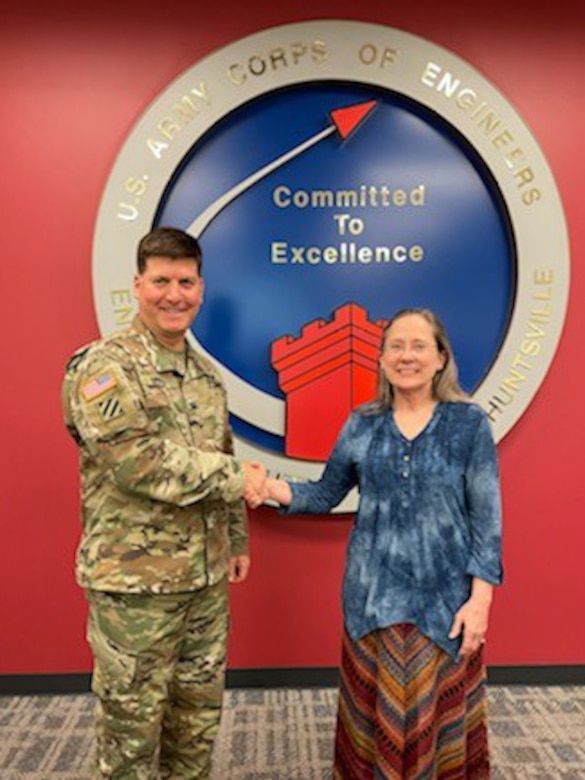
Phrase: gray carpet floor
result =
(537, 733)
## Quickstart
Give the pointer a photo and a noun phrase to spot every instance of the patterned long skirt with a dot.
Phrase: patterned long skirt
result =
(408, 711)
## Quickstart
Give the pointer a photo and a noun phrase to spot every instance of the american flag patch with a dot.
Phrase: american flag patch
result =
(98, 386)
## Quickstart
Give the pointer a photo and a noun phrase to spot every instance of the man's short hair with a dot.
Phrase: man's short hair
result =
(168, 242)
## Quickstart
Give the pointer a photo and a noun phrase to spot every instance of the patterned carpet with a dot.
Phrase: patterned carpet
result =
(537, 733)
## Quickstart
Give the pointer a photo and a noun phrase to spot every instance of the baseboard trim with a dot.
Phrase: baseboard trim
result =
(297, 677)
(294, 677)
(536, 675)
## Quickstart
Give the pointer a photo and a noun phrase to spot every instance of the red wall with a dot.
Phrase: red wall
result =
(73, 82)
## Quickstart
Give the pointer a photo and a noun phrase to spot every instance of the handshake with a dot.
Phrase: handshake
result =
(260, 488)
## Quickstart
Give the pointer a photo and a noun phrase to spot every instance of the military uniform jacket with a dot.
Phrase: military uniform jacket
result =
(160, 489)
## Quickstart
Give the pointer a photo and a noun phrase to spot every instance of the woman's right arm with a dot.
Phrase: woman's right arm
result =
(322, 495)
(278, 490)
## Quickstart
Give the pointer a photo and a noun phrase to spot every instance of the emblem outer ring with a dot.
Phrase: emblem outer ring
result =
(367, 54)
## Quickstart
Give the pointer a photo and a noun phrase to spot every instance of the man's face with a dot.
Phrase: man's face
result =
(169, 294)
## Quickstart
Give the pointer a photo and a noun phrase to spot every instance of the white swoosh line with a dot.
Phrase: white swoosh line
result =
(246, 402)
(198, 226)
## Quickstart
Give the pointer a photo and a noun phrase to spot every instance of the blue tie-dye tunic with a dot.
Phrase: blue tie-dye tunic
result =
(429, 517)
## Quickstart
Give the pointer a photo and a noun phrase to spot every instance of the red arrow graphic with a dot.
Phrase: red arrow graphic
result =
(347, 119)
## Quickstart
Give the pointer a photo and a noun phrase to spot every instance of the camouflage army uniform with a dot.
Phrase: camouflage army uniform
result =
(162, 515)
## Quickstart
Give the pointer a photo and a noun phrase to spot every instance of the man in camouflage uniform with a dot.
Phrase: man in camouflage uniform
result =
(164, 525)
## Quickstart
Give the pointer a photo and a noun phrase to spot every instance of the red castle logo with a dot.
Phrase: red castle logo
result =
(326, 373)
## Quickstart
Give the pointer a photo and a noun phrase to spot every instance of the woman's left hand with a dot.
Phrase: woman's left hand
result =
(471, 619)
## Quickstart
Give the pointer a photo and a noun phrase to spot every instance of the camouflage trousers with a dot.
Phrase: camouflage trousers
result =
(159, 668)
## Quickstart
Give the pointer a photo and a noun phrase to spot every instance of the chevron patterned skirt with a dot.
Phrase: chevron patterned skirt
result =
(408, 711)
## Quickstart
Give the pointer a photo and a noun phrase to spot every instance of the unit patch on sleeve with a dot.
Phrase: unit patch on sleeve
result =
(110, 408)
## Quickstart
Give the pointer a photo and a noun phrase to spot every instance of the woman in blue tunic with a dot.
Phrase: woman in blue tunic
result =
(423, 557)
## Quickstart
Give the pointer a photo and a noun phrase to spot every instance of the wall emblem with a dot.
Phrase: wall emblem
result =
(336, 171)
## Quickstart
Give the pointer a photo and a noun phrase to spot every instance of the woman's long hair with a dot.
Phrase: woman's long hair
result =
(445, 386)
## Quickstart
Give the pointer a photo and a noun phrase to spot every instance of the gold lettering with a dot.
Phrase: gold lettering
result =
(543, 313)
(280, 57)
(277, 56)
(367, 54)
(183, 112)
(319, 51)
(127, 212)
(235, 74)
(158, 148)
(524, 176)
(544, 276)
(448, 84)
(531, 196)
(503, 139)
(466, 98)
(514, 379)
(486, 118)
(534, 330)
(136, 187)
(530, 348)
(389, 57)
(514, 156)
(490, 122)
(256, 65)
(519, 362)
(298, 51)
(123, 305)
(169, 127)
(491, 408)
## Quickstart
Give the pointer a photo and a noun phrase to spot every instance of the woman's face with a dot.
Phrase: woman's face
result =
(411, 357)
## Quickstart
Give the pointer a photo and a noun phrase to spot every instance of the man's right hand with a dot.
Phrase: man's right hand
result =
(255, 491)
